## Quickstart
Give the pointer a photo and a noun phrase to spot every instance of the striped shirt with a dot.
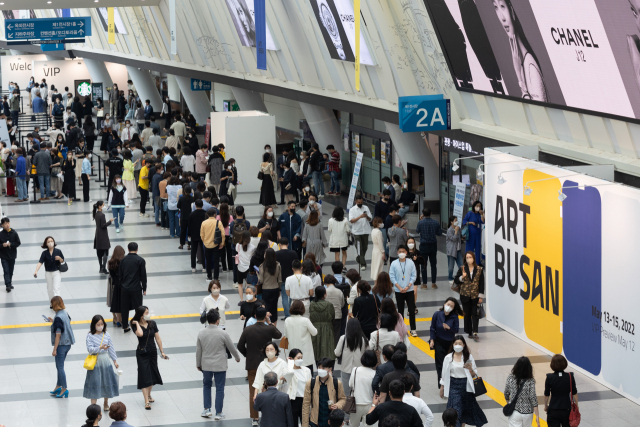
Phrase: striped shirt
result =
(93, 344)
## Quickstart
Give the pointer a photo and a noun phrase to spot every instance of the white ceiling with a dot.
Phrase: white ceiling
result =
(68, 4)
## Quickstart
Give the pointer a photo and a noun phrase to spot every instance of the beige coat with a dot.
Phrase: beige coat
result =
(310, 413)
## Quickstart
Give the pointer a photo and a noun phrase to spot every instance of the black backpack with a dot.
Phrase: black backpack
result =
(217, 235)
(239, 227)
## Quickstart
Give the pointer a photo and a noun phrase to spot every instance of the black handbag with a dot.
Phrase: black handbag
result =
(508, 409)
(481, 313)
(63, 267)
(261, 175)
(479, 386)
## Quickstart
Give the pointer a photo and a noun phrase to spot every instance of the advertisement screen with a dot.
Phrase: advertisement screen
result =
(582, 54)
(337, 22)
(243, 16)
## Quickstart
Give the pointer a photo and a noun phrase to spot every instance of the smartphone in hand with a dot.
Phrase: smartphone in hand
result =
(46, 319)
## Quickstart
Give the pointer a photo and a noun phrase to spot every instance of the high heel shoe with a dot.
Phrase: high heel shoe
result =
(65, 394)
(56, 391)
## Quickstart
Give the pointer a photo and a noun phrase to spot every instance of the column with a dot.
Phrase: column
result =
(248, 100)
(99, 73)
(146, 87)
(173, 88)
(197, 101)
(411, 146)
(323, 125)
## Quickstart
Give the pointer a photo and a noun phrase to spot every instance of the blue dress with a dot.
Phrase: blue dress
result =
(474, 243)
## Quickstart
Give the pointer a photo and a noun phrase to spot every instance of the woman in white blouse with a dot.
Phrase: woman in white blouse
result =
(385, 335)
(360, 383)
(301, 374)
(271, 363)
(298, 329)
(101, 381)
(244, 251)
(339, 229)
(215, 301)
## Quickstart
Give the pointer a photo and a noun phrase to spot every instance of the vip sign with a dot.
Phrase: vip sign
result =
(560, 263)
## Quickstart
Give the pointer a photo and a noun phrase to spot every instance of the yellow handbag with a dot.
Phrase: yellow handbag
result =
(92, 359)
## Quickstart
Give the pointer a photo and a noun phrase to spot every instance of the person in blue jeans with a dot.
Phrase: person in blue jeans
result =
(211, 359)
(117, 202)
(21, 178)
(333, 165)
(62, 339)
(173, 186)
(474, 220)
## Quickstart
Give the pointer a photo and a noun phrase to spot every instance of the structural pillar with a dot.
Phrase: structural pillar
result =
(248, 100)
(197, 101)
(146, 87)
(173, 88)
(99, 73)
(323, 125)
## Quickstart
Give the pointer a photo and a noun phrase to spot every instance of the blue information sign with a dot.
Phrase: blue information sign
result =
(197, 84)
(52, 46)
(47, 28)
(261, 33)
(424, 113)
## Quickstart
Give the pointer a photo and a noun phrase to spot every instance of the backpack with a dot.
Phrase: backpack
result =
(217, 235)
(239, 227)
(313, 384)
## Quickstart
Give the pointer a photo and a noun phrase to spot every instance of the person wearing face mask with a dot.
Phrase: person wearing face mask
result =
(146, 353)
(248, 304)
(101, 381)
(301, 375)
(215, 301)
(403, 275)
(165, 113)
(57, 111)
(359, 216)
(86, 176)
(454, 252)
(474, 220)
(322, 390)
(470, 279)
(118, 200)
(271, 363)
(288, 183)
(458, 370)
(444, 327)
(382, 208)
(273, 404)
(405, 200)
(62, 338)
(314, 204)
(107, 125)
(69, 172)
(99, 111)
(101, 242)
(226, 176)
(128, 132)
(132, 273)
(377, 256)
(268, 222)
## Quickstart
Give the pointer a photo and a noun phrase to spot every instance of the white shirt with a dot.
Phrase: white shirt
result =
(361, 226)
(362, 386)
(457, 369)
(298, 286)
(188, 163)
(338, 237)
(222, 304)
(302, 375)
(420, 406)
(127, 133)
(280, 368)
(244, 258)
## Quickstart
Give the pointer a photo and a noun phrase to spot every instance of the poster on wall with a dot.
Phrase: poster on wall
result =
(356, 142)
(557, 278)
(337, 23)
(544, 51)
(385, 152)
(104, 20)
(243, 16)
(19, 14)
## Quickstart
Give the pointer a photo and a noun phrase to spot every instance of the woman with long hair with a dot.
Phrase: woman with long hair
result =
(525, 61)
(52, 258)
(68, 168)
(309, 270)
(349, 350)
(313, 237)
(301, 375)
(114, 278)
(245, 250)
(128, 178)
(257, 258)
(101, 381)
(387, 306)
(383, 287)
(62, 338)
(378, 256)
(365, 309)
(458, 370)
(470, 278)
(521, 385)
(444, 327)
(146, 353)
(360, 382)
(267, 192)
(118, 200)
(339, 229)
(226, 219)
(101, 242)
(270, 275)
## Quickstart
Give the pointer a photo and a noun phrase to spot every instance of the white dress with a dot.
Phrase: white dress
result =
(377, 254)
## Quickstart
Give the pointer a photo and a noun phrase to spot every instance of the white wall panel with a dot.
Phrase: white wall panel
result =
(576, 128)
(483, 108)
(597, 133)
(512, 115)
(543, 123)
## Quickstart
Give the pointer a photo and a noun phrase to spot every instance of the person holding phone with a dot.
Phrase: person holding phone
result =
(52, 258)
(146, 353)
(62, 338)
(101, 381)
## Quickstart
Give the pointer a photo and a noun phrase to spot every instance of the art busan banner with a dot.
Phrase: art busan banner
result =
(559, 265)
(243, 16)
(337, 23)
(583, 54)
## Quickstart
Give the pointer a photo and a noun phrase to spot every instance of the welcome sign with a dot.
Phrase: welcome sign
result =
(560, 265)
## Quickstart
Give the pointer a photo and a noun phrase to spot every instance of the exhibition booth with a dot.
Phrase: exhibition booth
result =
(560, 252)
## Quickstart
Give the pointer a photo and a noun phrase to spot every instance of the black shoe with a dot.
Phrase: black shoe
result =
(127, 330)
(8, 288)
(12, 287)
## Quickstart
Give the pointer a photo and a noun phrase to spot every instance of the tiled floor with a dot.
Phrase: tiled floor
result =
(27, 370)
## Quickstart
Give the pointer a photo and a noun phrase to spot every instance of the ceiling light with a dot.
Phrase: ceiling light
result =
(561, 195)
(455, 166)
(527, 191)
(501, 180)
(48, 2)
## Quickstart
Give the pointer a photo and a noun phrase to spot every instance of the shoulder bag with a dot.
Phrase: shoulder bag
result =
(92, 359)
(350, 404)
(508, 409)
(260, 175)
(478, 385)
(284, 342)
(574, 415)
(63, 267)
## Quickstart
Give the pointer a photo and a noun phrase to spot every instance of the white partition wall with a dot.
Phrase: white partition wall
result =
(244, 134)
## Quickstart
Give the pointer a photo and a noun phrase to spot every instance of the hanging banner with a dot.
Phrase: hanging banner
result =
(261, 34)
(354, 180)
(458, 203)
(356, 13)
(172, 18)
(207, 132)
(111, 26)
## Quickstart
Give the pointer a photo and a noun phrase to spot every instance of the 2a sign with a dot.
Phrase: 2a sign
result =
(424, 113)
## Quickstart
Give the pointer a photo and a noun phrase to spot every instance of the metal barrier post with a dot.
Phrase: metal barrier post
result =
(35, 194)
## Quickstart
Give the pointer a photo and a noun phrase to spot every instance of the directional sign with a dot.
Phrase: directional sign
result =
(47, 28)
(197, 84)
(424, 113)
(50, 47)
(57, 41)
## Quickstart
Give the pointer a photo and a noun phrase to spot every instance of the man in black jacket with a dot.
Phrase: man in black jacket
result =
(285, 257)
(196, 218)
(133, 279)
(8, 251)
(316, 170)
(406, 414)
(113, 166)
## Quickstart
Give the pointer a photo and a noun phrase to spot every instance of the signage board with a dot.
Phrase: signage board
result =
(48, 47)
(47, 28)
(458, 203)
(97, 91)
(354, 180)
(197, 84)
(43, 42)
(424, 113)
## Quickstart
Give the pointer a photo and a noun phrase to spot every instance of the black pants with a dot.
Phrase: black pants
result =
(184, 223)
(270, 298)
(441, 348)
(126, 298)
(227, 256)
(211, 258)
(430, 255)
(194, 251)
(102, 257)
(558, 417)
(410, 298)
(144, 196)
(109, 184)
(336, 331)
(85, 187)
(470, 308)
(281, 194)
(7, 269)
(345, 316)
(296, 408)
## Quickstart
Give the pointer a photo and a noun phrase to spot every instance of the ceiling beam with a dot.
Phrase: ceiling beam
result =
(73, 4)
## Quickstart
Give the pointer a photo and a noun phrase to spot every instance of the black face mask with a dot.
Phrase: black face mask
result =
(292, 210)
(359, 205)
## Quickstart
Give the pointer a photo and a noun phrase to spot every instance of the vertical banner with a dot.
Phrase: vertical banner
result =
(207, 132)
(356, 13)
(172, 18)
(111, 26)
(261, 33)
(354, 180)
(458, 203)
(66, 13)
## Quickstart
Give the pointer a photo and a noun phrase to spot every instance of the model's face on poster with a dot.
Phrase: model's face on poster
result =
(635, 10)
(243, 18)
(504, 15)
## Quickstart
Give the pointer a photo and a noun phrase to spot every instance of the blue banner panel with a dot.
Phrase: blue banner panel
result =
(424, 113)
(261, 33)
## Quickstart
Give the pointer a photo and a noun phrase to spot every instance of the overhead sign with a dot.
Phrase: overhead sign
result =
(354, 180)
(424, 113)
(43, 42)
(47, 28)
(197, 84)
(48, 47)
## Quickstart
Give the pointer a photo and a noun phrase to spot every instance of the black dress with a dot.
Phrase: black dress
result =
(147, 356)
(267, 193)
(69, 172)
(117, 291)
(224, 186)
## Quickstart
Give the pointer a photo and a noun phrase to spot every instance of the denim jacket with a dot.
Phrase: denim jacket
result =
(62, 323)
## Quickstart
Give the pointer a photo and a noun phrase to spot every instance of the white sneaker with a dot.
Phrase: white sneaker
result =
(140, 214)
(451, 282)
(206, 413)
(193, 270)
(219, 417)
(363, 268)
(204, 270)
(254, 423)
(117, 230)
(145, 215)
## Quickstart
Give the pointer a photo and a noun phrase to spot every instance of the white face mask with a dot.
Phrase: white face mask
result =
(118, 181)
(312, 202)
(267, 150)
(99, 328)
(271, 354)
(146, 317)
(50, 244)
(248, 297)
(269, 214)
(229, 167)
(298, 362)
(380, 225)
(128, 124)
(477, 208)
(404, 186)
(307, 188)
(215, 292)
(411, 245)
(455, 223)
(89, 156)
(447, 309)
(402, 256)
(458, 348)
(322, 373)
